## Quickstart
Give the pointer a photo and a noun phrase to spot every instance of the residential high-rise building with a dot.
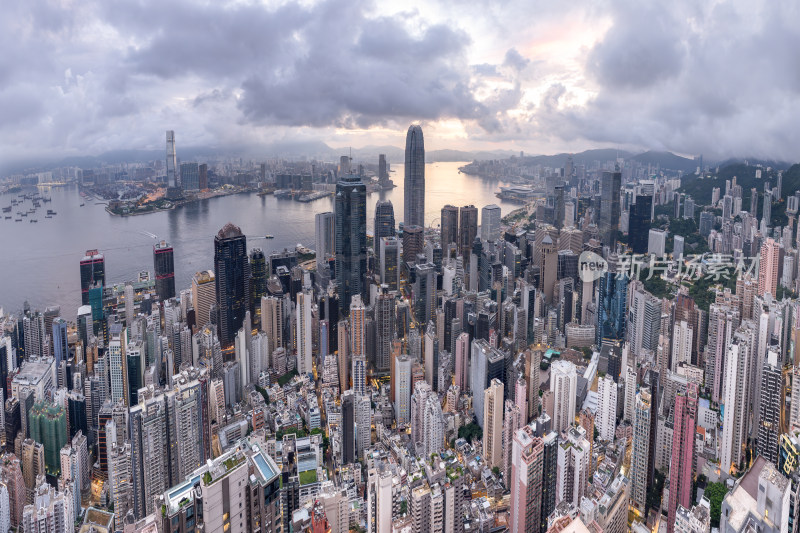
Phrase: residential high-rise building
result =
(325, 238)
(462, 361)
(150, 453)
(48, 425)
(117, 364)
(493, 424)
(402, 389)
(241, 493)
(449, 226)
(427, 420)
(770, 406)
(172, 160)
(49, 512)
(490, 223)
(93, 273)
(164, 270)
(656, 242)
(527, 458)
(414, 186)
(232, 270)
(303, 324)
(610, 211)
(640, 449)
(573, 466)
(258, 283)
(768, 267)
(384, 220)
(681, 491)
(384, 329)
(736, 399)
(203, 297)
(272, 321)
(351, 239)
(563, 381)
(606, 408)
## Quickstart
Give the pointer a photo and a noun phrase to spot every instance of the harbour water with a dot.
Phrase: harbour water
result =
(39, 262)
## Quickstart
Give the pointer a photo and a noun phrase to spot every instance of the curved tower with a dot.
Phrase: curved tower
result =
(414, 188)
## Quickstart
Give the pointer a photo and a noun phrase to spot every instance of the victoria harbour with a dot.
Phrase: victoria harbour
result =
(43, 259)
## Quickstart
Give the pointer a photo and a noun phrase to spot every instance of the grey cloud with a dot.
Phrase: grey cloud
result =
(643, 47)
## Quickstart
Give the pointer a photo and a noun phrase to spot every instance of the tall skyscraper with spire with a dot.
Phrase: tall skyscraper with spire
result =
(414, 188)
(232, 270)
(172, 160)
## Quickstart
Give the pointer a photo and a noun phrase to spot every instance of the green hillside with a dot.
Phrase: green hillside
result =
(701, 189)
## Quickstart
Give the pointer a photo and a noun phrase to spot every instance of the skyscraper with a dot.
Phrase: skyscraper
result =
(611, 314)
(564, 381)
(390, 262)
(384, 330)
(683, 436)
(609, 212)
(203, 297)
(640, 449)
(351, 239)
(770, 406)
(490, 223)
(48, 425)
(325, 238)
(414, 187)
(384, 220)
(493, 424)
(768, 267)
(305, 300)
(449, 226)
(527, 456)
(164, 269)
(190, 177)
(468, 230)
(232, 270)
(413, 241)
(172, 160)
(607, 408)
(258, 273)
(639, 223)
(93, 272)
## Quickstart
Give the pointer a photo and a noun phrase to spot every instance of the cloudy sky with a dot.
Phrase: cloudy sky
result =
(720, 78)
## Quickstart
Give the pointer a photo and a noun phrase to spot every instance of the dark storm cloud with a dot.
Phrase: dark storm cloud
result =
(694, 77)
(642, 48)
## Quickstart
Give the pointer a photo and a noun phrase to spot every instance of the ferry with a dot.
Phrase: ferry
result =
(7, 209)
(51, 212)
(269, 236)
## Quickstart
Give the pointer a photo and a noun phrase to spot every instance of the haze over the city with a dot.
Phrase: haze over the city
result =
(717, 78)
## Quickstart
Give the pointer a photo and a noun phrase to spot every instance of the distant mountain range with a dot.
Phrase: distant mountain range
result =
(289, 149)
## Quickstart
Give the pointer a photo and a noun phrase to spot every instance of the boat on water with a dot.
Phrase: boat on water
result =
(51, 212)
(7, 209)
(268, 236)
(33, 220)
(82, 205)
(8, 217)
(17, 220)
(48, 216)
